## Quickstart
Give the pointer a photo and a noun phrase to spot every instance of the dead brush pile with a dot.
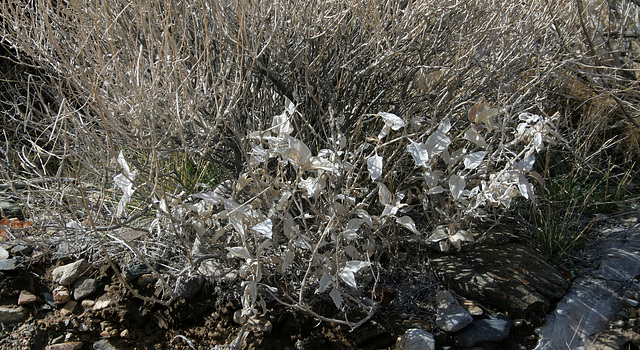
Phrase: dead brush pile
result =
(340, 126)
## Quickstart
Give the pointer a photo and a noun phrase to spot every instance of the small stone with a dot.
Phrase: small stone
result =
(630, 302)
(146, 279)
(57, 340)
(102, 304)
(518, 323)
(87, 303)
(103, 345)
(4, 254)
(450, 316)
(125, 333)
(493, 329)
(67, 274)
(74, 345)
(8, 264)
(618, 323)
(68, 308)
(630, 221)
(188, 286)
(83, 327)
(61, 295)
(21, 250)
(84, 287)
(12, 314)
(136, 271)
(26, 298)
(105, 334)
(416, 339)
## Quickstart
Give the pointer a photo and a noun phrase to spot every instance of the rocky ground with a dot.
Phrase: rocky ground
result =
(491, 295)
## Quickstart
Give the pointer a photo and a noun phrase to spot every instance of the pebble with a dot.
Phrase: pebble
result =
(103, 345)
(136, 271)
(493, 329)
(4, 254)
(26, 298)
(630, 302)
(21, 250)
(58, 339)
(61, 295)
(102, 304)
(84, 287)
(87, 303)
(8, 264)
(12, 314)
(68, 308)
(67, 274)
(125, 333)
(450, 316)
(416, 339)
(74, 345)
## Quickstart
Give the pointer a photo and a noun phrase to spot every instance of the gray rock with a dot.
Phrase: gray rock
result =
(21, 250)
(416, 339)
(103, 345)
(188, 286)
(136, 271)
(4, 254)
(84, 287)
(9, 314)
(489, 330)
(451, 317)
(509, 277)
(10, 210)
(67, 274)
(596, 297)
(8, 264)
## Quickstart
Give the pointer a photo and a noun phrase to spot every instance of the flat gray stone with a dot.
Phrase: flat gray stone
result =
(489, 330)
(416, 339)
(596, 297)
(67, 274)
(450, 316)
(10, 314)
(103, 345)
(84, 287)
(509, 277)
(8, 264)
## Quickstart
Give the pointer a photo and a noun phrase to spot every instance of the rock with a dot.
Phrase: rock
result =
(103, 345)
(509, 277)
(87, 303)
(68, 308)
(450, 316)
(596, 297)
(8, 264)
(146, 279)
(102, 304)
(12, 314)
(67, 274)
(26, 298)
(416, 339)
(188, 286)
(4, 254)
(60, 295)
(74, 345)
(84, 287)
(10, 210)
(136, 271)
(490, 330)
(21, 250)
(125, 333)
(48, 298)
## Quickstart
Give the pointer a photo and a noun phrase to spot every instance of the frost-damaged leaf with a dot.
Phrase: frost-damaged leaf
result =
(297, 152)
(264, 228)
(408, 223)
(384, 195)
(456, 185)
(527, 163)
(472, 135)
(325, 281)
(350, 268)
(526, 189)
(124, 181)
(336, 297)
(391, 121)
(437, 142)
(419, 153)
(351, 230)
(374, 165)
(459, 237)
(239, 252)
(473, 160)
(438, 234)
